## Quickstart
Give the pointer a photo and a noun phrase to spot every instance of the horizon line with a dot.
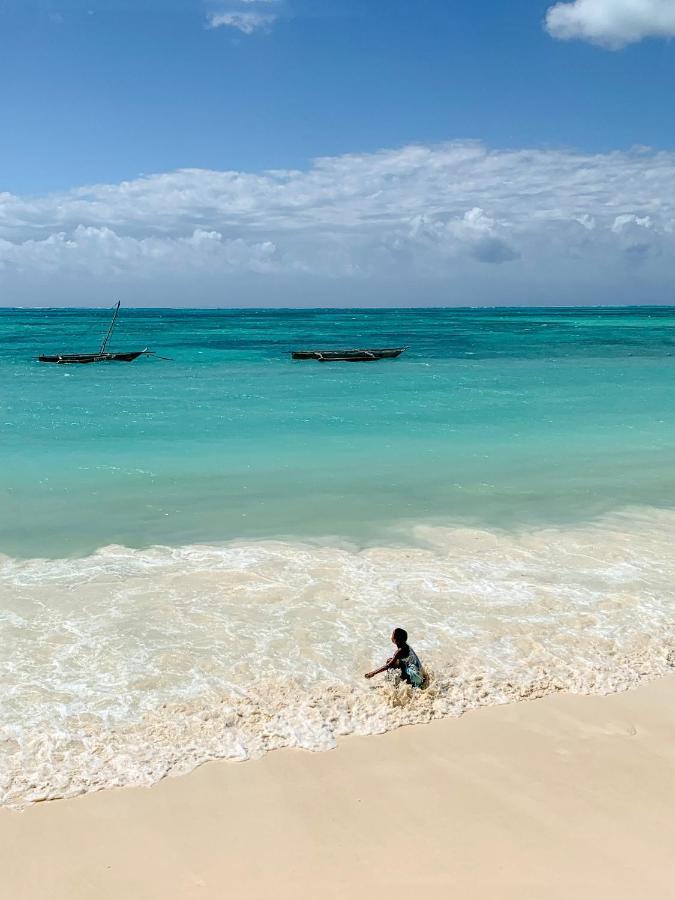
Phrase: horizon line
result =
(669, 305)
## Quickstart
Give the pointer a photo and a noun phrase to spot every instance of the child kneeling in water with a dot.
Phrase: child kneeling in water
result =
(405, 660)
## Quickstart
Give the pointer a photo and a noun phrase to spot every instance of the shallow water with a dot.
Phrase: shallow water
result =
(202, 557)
(491, 418)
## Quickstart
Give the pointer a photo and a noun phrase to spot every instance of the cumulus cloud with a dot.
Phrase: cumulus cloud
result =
(102, 251)
(457, 213)
(612, 23)
(474, 233)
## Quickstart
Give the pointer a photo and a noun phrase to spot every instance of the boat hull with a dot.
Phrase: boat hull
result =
(85, 358)
(365, 355)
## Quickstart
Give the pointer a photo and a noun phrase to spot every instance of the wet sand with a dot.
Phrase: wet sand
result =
(568, 796)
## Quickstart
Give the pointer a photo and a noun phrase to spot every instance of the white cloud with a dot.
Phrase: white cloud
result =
(456, 214)
(474, 233)
(244, 21)
(612, 23)
(246, 16)
(102, 251)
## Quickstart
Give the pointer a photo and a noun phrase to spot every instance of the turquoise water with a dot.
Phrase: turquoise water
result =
(499, 418)
(199, 558)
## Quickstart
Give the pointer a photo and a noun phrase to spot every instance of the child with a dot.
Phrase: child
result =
(405, 660)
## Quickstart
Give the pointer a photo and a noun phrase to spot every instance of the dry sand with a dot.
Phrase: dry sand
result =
(565, 797)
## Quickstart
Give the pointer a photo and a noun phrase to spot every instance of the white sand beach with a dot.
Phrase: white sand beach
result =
(567, 796)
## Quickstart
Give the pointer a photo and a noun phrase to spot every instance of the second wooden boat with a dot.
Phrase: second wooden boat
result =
(366, 355)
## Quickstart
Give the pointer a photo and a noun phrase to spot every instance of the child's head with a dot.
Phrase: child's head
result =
(399, 637)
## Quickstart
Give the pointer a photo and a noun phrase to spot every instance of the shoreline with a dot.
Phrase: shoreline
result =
(560, 796)
(121, 668)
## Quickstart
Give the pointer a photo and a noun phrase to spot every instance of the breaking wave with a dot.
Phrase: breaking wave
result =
(129, 665)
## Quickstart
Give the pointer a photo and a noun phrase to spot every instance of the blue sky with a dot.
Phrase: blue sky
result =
(99, 93)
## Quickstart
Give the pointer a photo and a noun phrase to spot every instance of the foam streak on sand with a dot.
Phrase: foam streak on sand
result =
(128, 665)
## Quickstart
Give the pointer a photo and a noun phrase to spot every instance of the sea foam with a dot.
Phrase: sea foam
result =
(129, 665)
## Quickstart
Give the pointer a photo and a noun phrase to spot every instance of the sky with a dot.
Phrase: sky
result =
(336, 152)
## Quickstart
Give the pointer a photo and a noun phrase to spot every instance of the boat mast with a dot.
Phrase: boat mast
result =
(110, 330)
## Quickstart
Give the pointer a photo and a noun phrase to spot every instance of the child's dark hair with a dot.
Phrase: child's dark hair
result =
(400, 634)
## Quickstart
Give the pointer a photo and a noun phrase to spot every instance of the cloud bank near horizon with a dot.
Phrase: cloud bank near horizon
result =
(456, 223)
(612, 23)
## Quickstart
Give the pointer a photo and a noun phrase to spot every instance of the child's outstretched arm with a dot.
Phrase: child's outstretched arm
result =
(376, 671)
(388, 665)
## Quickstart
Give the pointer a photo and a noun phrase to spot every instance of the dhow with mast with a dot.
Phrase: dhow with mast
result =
(102, 355)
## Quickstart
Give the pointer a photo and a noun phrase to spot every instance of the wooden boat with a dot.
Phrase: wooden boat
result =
(93, 357)
(366, 355)
(101, 356)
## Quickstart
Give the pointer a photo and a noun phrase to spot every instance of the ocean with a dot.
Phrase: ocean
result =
(201, 555)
